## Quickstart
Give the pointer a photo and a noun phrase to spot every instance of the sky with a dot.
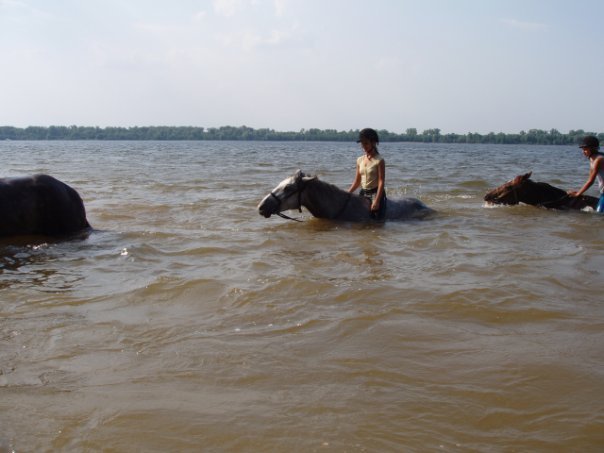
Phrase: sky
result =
(457, 65)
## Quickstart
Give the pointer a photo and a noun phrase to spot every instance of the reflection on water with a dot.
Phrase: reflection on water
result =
(27, 262)
(186, 319)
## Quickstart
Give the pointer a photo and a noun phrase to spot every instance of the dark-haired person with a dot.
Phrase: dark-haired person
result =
(371, 173)
(591, 146)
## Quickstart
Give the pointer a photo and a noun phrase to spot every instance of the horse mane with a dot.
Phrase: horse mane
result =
(549, 196)
(546, 189)
(332, 188)
(330, 191)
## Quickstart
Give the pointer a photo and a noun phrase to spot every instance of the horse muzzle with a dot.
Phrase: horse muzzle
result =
(266, 207)
(264, 213)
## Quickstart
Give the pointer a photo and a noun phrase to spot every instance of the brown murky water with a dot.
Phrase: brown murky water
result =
(187, 322)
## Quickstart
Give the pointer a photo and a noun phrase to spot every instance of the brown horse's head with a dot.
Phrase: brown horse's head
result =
(522, 189)
(510, 192)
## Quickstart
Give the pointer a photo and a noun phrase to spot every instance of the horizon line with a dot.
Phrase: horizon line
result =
(428, 131)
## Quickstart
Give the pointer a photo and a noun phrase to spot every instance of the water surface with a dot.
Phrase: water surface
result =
(187, 322)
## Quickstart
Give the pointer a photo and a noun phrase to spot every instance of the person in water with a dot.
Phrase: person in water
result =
(371, 173)
(591, 146)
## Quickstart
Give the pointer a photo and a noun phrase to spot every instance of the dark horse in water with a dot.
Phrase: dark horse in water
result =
(40, 205)
(327, 201)
(522, 189)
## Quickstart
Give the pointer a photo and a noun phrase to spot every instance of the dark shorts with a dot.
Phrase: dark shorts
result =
(600, 207)
(370, 195)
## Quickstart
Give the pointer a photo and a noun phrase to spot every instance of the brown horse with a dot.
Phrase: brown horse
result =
(522, 189)
(40, 204)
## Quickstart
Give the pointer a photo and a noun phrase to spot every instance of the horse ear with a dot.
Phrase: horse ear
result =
(521, 178)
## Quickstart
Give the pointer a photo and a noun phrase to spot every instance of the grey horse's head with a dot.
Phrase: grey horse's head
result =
(285, 196)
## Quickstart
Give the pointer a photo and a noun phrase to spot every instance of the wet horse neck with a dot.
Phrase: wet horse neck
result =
(541, 192)
(327, 201)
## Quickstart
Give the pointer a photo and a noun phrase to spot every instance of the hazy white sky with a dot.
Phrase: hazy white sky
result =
(458, 65)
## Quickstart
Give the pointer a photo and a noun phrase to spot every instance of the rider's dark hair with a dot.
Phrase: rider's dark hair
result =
(368, 134)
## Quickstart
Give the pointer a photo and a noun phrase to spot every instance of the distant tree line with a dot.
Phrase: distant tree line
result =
(532, 136)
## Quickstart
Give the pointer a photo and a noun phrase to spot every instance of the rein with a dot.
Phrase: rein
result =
(545, 204)
(284, 216)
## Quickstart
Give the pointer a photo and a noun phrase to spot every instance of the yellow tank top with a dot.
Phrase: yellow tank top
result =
(369, 171)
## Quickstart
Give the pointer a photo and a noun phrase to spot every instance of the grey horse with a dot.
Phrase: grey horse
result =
(327, 201)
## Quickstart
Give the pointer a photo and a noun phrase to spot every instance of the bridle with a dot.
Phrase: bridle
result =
(299, 189)
(515, 192)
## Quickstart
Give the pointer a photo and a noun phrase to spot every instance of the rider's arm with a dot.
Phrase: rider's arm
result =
(381, 178)
(357, 180)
